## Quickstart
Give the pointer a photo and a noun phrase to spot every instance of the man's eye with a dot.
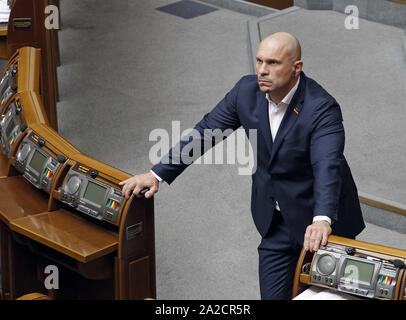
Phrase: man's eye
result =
(259, 61)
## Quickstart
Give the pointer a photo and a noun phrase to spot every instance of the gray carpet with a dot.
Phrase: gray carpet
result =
(128, 68)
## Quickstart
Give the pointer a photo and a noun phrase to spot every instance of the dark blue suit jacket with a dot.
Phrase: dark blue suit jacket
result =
(304, 169)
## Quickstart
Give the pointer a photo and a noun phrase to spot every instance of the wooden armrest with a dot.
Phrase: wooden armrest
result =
(34, 296)
(304, 278)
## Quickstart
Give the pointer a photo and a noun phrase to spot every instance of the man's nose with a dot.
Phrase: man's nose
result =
(263, 70)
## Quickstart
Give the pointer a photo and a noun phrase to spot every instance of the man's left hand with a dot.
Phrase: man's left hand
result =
(316, 235)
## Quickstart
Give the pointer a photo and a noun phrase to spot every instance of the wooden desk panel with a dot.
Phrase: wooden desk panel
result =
(3, 29)
(3, 165)
(3, 40)
(68, 233)
(19, 198)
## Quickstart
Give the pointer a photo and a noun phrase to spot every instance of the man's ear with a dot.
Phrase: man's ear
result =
(298, 66)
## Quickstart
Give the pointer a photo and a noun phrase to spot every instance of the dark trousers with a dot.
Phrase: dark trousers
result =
(278, 256)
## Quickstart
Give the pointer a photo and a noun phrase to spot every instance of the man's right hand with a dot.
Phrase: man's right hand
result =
(139, 182)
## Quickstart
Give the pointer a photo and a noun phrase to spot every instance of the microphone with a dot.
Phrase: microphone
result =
(13, 86)
(397, 263)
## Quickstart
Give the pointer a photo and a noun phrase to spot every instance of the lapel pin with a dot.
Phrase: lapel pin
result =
(297, 111)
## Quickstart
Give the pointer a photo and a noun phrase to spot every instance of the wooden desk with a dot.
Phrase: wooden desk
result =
(123, 262)
(96, 260)
(3, 166)
(18, 198)
(68, 233)
(3, 40)
(58, 237)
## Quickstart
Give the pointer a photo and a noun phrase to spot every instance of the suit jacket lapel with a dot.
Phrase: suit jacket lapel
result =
(263, 119)
(290, 117)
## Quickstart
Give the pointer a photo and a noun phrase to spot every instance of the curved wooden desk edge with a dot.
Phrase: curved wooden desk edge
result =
(34, 296)
(298, 271)
(29, 62)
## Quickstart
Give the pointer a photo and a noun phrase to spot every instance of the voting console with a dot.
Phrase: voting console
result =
(19, 86)
(353, 267)
(64, 209)
(21, 110)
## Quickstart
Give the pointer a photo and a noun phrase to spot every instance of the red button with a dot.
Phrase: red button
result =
(390, 281)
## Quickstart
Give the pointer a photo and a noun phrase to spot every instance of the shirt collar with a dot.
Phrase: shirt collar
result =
(288, 98)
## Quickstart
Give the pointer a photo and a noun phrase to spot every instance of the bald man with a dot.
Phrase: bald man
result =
(302, 189)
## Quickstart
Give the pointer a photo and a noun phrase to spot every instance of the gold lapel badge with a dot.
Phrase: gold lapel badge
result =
(297, 111)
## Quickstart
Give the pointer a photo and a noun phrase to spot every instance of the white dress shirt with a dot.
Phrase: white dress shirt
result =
(156, 176)
(276, 113)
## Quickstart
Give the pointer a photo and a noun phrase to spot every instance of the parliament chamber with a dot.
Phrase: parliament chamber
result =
(60, 207)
